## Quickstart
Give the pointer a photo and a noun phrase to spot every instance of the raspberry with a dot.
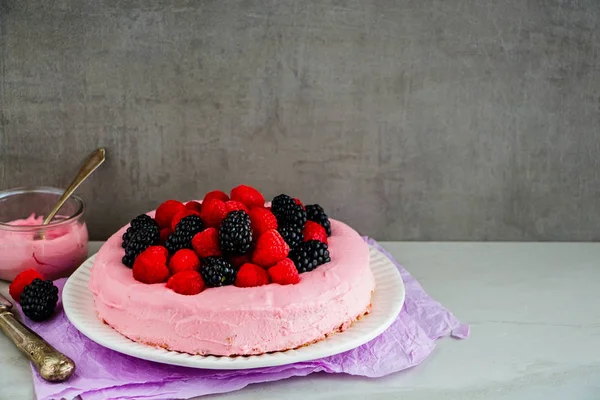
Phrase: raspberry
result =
(193, 205)
(284, 273)
(213, 212)
(39, 299)
(314, 231)
(217, 271)
(206, 243)
(250, 275)
(262, 220)
(166, 211)
(297, 201)
(215, 194)
(238, 261)
(270, 249)
(186, 282)
(151, 265)
(184, 260)
(164, 235)
(233, 205)
(23, 279)
(235, 235)
(180, 215)
(248, 195)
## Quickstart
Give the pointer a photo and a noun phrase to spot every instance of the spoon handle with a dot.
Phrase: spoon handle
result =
(89, 166)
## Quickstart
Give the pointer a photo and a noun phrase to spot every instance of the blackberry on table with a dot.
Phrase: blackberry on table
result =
(309, 255)
(235, 234)
(315, 213)
(184, 232)
(217, 271)
(292, 235)
(39, 299)
(146, 236)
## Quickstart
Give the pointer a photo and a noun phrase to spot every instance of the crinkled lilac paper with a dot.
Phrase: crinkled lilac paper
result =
(103, 374)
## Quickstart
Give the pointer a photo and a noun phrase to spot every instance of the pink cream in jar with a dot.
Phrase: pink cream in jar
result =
(56, 249)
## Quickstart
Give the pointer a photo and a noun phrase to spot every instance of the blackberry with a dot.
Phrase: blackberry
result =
(146, 236)
(141, 222)
(281, 203)
(39, 299)
(315, 213)
(292, 235)
(235, 234)
(287, 211)
(309, 255)
(217, 271)
(184, 232)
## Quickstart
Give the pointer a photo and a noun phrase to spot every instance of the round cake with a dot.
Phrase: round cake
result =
(231, 320)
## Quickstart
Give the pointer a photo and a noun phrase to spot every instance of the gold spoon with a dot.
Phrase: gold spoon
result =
(89, 166)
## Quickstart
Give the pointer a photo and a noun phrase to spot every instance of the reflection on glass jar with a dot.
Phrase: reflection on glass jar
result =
(55, 250)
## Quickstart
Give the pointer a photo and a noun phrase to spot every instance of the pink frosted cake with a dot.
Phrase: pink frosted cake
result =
(238, 280)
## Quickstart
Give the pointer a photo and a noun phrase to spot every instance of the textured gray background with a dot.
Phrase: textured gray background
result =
(415, 120)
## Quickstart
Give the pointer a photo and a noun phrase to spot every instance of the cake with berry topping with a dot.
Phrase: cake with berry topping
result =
(232, 275)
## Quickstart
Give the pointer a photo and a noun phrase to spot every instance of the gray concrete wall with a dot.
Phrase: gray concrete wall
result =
(414, 120)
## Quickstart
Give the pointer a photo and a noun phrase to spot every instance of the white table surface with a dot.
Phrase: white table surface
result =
(534, 311)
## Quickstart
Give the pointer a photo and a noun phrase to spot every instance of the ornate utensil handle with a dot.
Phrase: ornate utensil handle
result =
(51, 364)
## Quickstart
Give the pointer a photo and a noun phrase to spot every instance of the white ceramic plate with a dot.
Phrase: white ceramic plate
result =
(387, 301)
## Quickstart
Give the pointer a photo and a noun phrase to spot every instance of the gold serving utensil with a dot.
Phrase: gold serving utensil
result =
(52, 365)
(89, 166)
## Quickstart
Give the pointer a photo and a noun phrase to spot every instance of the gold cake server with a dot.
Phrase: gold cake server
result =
(52, 365)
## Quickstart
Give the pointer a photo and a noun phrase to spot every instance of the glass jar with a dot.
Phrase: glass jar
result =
(54, 250)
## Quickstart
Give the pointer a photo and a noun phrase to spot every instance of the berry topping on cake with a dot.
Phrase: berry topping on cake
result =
(250, 275)
(248, 195)
(184, 232)
(141, 222)
(194, 206)
(151, 265)
(238, 261)
(287, 211)
(164, 235)
(235, 234)
(23, 279)
(284, 273)
(215, 194)
(206, 243)
(139, 240)
(292, 234)
(262, 220)
(315, 212)
(234, 205)
(270, 249)
(217, 271)
(297, 201)
(39, 299)
(309, 255)
(213, 212)
(314, 231)
(181, 215)
(186, 282)
(184, 260)
(166, 211)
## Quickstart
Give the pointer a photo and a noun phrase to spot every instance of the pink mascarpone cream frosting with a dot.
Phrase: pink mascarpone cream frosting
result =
(57, 254)
(237, 321)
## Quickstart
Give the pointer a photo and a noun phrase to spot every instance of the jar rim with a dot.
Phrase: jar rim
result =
(41, 189)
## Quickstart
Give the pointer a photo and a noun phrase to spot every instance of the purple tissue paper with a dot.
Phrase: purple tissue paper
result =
(105, 374)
